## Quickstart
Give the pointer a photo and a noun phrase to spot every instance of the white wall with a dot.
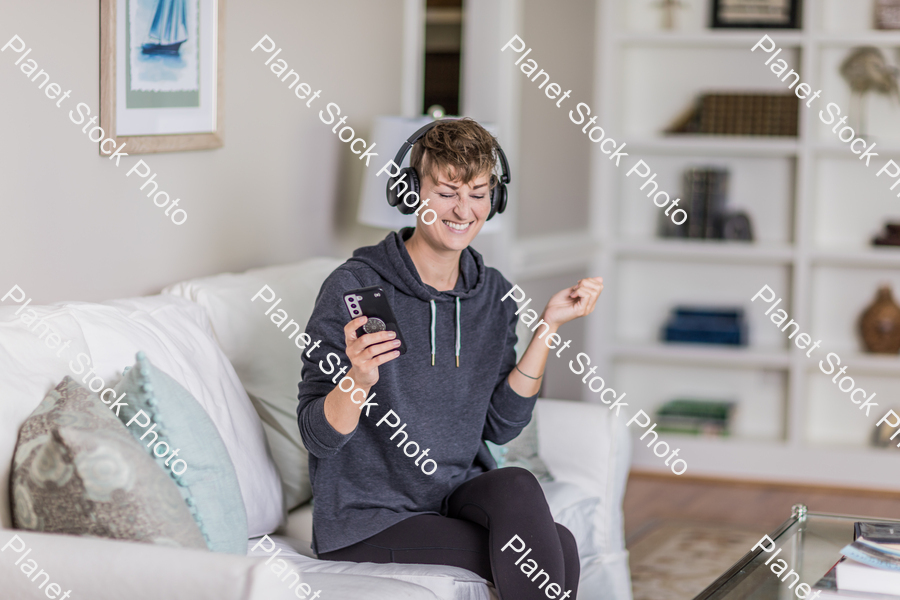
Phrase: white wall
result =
(72, 227)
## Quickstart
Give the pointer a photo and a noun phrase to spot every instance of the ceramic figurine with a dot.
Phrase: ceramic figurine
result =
(880, 324)
(889, 237)
(668, 7)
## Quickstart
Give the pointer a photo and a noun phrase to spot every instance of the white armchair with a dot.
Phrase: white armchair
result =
(587, 450)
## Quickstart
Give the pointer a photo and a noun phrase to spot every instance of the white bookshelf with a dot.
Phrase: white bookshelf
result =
(814, 209)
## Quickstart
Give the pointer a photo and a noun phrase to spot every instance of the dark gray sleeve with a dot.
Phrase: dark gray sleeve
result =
(326, 324)
(508, 412)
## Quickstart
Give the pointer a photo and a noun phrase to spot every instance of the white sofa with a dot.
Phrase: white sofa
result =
(210, 337)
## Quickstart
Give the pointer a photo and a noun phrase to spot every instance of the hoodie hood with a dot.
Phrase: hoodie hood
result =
(392, 262)
(390, 259)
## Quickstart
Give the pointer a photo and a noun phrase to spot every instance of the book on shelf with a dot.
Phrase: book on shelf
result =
(706, 326)
(696, 188)
(716, 195)
(695, 417)
(705, 191)
(741, 114)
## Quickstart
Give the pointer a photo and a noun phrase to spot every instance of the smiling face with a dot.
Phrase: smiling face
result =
(461, 208)
(454, 160)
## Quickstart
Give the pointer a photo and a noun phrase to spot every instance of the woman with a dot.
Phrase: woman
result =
(456, 386)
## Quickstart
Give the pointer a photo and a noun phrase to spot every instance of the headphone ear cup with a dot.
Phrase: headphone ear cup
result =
(397, 187)
(413, 178)
(503, 196)
(498, 197)
(391, 188)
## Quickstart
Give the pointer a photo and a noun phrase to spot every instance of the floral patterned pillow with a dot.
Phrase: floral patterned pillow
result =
(78, 471)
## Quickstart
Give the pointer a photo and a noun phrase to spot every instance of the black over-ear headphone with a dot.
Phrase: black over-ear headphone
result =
(399, 191)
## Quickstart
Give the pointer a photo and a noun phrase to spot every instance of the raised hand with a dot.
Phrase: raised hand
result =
(573, 302)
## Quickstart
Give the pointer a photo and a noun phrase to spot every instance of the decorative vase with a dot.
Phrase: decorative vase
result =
(880, 323)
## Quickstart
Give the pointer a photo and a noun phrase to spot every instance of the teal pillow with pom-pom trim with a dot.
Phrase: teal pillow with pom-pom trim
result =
(522, 452)
(208, 483)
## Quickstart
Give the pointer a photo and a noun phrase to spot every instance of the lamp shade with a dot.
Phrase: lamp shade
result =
(389, 133)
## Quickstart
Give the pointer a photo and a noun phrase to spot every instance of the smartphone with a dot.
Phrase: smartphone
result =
(373, 303)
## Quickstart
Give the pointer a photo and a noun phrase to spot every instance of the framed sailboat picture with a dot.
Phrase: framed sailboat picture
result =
(161, 64)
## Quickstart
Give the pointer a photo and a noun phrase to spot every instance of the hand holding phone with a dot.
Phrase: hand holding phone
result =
(367, 350)
(372, 303)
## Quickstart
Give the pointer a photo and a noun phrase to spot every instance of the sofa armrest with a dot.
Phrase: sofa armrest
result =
(101, 569)
(583, 444)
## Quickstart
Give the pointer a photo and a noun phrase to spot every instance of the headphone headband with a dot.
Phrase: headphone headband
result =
(411, 140)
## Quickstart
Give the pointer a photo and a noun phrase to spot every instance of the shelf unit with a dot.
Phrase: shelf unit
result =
(812, 231)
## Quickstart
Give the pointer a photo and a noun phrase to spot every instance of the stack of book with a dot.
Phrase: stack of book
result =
(705, 191)
(870, 568)
(695, 417)
(706, 326)
(741, 114)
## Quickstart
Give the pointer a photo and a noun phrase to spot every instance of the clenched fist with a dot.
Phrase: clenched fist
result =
(571, 303)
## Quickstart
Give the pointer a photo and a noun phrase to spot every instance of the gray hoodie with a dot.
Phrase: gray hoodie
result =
(363, 482)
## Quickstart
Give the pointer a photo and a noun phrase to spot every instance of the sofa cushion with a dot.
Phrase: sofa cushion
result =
(78, 471)
(104, 338)
(445, 582)
(101, 569)
(172, 416)
(265, 359)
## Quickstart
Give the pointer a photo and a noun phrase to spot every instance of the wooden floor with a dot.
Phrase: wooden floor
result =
(650, 499)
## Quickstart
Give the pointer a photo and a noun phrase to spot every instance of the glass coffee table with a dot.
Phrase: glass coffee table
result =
(810, 543)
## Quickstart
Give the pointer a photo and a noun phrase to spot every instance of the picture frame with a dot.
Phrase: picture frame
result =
(756, 14)
(887, 14)
(161, 71)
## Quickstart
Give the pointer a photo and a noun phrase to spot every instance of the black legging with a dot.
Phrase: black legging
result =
(483, 514)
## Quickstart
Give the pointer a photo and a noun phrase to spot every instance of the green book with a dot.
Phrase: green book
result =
(703, 409)
(695, 417)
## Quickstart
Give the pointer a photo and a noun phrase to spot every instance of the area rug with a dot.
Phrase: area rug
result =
(678, 560)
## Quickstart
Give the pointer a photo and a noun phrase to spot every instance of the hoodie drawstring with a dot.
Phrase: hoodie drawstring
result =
(433, 320)
(433, 323)
(457, 331)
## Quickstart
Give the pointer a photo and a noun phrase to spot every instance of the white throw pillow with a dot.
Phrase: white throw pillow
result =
(266, 360)
(176, 335)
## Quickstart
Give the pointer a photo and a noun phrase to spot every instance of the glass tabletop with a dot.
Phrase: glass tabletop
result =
(810, 544)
